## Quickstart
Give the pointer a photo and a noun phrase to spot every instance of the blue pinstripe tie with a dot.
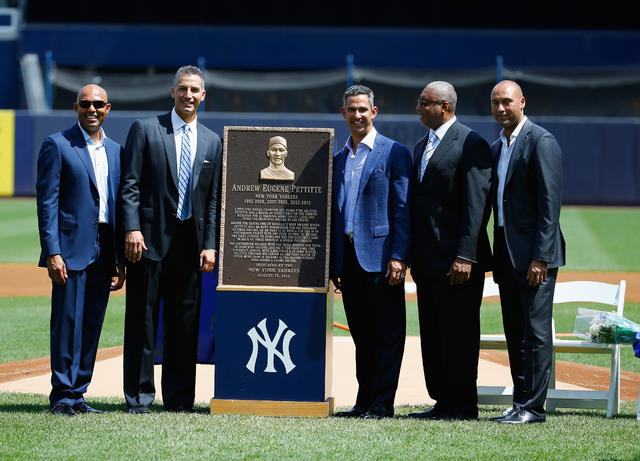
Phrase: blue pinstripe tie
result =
(184, 177)
(428, 152)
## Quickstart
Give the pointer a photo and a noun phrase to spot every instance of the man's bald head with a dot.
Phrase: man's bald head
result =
(91, 89)
(510, 87)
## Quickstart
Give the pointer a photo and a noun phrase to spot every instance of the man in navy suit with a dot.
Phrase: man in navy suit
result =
(77, 182)
(450, 251)
(370, 251)
(528, 247)
(169, 199)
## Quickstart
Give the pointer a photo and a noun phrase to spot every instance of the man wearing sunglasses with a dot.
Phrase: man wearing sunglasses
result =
(169, 197)
(449, 251)
(77, 181)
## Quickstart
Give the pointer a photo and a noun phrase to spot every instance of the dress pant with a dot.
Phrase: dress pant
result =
(449, 318)
(377, 320)
(526, 316)
(176, 281)
(77, 314)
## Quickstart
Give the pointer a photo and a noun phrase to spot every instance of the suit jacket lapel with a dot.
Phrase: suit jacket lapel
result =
(200, 155)
(80, 146)
(443, 147)
(370, 162)
(417, 157)
(166, 133)
(518, 149)
(113, 154)
(338, 179)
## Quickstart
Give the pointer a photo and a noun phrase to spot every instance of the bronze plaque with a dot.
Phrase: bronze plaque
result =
(276, 208)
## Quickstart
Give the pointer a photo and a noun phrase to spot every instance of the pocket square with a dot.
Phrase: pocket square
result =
(206, 161)
(378, 171)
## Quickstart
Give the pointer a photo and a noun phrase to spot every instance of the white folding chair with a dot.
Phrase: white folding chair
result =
(596, 292)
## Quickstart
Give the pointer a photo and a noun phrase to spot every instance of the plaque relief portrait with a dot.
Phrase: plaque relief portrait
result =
(277, 153)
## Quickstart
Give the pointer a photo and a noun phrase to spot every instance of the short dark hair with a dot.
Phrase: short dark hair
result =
(187, 70)
(357, 90)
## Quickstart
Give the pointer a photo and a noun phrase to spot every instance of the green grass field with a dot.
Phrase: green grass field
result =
(598, 239)
(28, 432)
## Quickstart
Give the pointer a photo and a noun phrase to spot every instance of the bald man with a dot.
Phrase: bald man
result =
(77, 181)
(528, 246)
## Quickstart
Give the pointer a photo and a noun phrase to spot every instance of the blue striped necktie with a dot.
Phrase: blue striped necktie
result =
(428, 152)
(184, 177)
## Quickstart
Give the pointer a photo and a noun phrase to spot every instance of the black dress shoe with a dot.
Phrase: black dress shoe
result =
(139, 411)
(458, 414)
(180, 410)
(83, 407)
(506, 413)
(523, 416)
(432, 413)
(355, 412)
(377, 412)
(63, 409)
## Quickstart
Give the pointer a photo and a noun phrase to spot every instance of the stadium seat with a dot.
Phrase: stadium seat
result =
(595, 292)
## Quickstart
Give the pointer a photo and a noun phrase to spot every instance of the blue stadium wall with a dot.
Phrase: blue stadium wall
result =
(601, 157)
(255, 47)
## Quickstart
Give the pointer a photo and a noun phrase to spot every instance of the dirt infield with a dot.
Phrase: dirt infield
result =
(30, 280)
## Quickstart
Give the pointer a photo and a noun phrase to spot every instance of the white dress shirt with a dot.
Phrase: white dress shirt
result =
(98, 154)
(177, 124)
(503, 165)
(352, 174)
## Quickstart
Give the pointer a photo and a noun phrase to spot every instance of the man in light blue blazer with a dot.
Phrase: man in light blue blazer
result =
(370, 251)
(77, 181)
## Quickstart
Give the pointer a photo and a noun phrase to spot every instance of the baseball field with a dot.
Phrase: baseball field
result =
(603, 244)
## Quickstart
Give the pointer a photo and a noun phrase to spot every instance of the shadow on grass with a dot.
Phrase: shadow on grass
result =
(24, 408)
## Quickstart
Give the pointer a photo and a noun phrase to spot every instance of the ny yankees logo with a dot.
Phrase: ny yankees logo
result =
(270, 345)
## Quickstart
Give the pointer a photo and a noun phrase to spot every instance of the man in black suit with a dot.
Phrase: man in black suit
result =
(169, 200)
(450, 251)
(528, 246)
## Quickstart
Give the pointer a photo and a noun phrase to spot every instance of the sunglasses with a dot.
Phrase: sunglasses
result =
(96, 104)
(428, 102)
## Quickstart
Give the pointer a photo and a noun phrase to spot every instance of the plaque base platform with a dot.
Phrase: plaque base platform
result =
(272, 408)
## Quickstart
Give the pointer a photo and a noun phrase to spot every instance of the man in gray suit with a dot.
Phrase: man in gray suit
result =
(528, 247)
(168, 198)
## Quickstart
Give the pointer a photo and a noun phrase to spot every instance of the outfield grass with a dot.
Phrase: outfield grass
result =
(602, 239)
(19, 241)
(27, 432)
(598, 239)
(24, 329)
